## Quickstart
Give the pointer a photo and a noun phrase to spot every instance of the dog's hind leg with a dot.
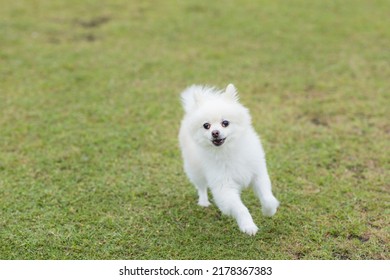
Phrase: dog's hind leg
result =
(263, 189)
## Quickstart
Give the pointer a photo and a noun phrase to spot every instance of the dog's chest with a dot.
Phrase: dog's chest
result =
(237, 171)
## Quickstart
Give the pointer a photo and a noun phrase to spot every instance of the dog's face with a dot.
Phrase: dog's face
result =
(216, 131)
(218, 123)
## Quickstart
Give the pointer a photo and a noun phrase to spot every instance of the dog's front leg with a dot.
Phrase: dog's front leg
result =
(227, 197)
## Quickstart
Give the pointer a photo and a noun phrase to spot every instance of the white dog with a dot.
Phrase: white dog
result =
(221, 151)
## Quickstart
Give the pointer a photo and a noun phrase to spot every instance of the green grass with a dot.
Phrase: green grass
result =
(89, 100)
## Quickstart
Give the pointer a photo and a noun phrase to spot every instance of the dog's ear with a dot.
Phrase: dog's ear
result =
(199, 98)
(231, 92)
(193, 97)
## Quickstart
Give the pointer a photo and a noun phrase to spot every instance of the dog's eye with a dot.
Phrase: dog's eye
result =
(225, 123)
(206, 126)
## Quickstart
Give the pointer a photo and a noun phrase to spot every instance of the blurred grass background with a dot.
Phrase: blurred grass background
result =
(89, 102)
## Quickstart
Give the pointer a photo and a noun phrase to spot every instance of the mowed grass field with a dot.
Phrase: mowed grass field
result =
(89, 116)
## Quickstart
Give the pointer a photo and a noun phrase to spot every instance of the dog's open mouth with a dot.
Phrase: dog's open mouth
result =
(218, 142)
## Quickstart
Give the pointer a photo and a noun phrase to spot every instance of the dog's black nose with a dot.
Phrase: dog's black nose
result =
(215, 133)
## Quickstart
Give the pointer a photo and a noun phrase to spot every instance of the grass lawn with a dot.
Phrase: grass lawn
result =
(89, 116)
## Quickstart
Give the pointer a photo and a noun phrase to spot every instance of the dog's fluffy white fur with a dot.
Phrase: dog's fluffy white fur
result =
(221, 151)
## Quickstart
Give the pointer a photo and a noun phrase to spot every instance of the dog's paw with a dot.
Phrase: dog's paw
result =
(250, 229)
(269, 208)
(204, 203)
(247, 225)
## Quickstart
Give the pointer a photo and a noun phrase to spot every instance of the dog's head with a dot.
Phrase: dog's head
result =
(217, 118)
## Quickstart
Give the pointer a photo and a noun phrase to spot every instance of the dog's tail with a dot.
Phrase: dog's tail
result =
(194, 95)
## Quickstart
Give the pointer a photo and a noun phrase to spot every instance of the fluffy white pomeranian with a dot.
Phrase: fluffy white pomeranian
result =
(221, 151)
